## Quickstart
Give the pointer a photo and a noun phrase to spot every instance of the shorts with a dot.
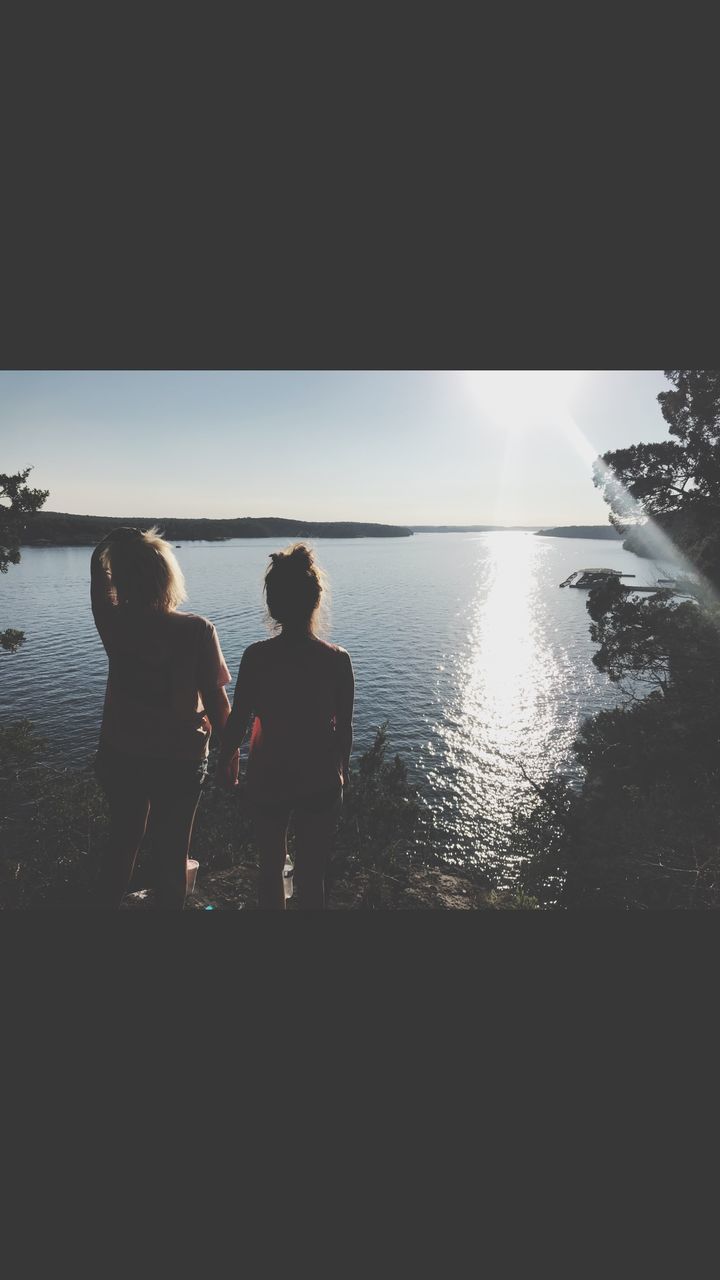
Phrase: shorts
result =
(120, 773)
(312, 803)
(168, 793)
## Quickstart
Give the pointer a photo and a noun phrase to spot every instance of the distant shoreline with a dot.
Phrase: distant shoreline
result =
(561, 531)
(603, 531)
(473, 528)
(62, 529)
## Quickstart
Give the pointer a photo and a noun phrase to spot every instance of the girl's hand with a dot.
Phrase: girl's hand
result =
(227, 772)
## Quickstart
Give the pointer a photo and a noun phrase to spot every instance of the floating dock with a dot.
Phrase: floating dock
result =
(584, 579)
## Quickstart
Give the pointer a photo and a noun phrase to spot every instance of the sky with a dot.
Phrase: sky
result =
(404, 447)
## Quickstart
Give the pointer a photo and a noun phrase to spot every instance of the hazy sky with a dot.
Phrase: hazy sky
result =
(398, 447)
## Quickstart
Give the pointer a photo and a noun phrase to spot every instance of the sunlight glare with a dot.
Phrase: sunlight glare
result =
(508, 678)
(523, 397)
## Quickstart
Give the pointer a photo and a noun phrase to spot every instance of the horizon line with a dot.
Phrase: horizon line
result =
(462, 524)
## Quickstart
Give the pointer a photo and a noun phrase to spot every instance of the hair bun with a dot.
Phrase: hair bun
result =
(303, 553)
(293, 586)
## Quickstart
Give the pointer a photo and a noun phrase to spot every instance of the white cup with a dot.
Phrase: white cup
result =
(192, 866)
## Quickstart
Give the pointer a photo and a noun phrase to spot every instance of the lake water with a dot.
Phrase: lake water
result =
(463, 643)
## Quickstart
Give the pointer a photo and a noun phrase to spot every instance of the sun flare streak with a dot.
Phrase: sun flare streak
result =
(518, 399)
(663, 546)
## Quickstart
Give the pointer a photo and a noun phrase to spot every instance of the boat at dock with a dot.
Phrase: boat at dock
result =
(584, 579)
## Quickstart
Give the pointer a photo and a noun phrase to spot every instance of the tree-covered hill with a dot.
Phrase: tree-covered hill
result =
(57, 528)
(605, 531)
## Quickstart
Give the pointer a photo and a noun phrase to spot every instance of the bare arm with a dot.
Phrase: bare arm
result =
(100, 596)
(217, 706)
(344, 716)
(236, 726)
(102, 601)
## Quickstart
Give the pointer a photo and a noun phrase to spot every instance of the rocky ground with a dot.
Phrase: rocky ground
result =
(236, 889)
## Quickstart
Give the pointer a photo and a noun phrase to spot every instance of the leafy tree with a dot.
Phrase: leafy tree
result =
(642, 830)
(676, 482)
(17, 502)
(644, 643)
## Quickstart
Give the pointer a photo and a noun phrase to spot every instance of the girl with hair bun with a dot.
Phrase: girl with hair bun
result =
(298, 690)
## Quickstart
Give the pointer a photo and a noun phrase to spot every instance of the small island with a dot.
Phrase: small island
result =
(602, 531)
(61, 529)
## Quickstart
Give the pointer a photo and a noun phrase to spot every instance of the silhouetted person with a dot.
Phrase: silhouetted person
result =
(300, 692)
(165, 695)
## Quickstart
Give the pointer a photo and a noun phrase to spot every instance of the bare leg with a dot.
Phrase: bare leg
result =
(314, 835)
(172, 817)
(128, 820)
(271, 840)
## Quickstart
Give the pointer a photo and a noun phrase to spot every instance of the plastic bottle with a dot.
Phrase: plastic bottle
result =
(288, 878)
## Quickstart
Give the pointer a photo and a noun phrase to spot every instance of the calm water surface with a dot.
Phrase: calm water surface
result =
(463, 643)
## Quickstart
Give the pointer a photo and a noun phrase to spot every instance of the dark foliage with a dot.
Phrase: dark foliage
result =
(17, 503)
(677, 482)
(53, 824)
(385, 827)
(643, 830)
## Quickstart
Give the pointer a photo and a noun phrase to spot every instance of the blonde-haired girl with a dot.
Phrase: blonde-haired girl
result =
(165, 696)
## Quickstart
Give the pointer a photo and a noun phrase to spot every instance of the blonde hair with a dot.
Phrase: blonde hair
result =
(294, 587)
(144, 572)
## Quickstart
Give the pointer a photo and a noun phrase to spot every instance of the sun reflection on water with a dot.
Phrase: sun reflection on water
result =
(503, 716)
(495, 694)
